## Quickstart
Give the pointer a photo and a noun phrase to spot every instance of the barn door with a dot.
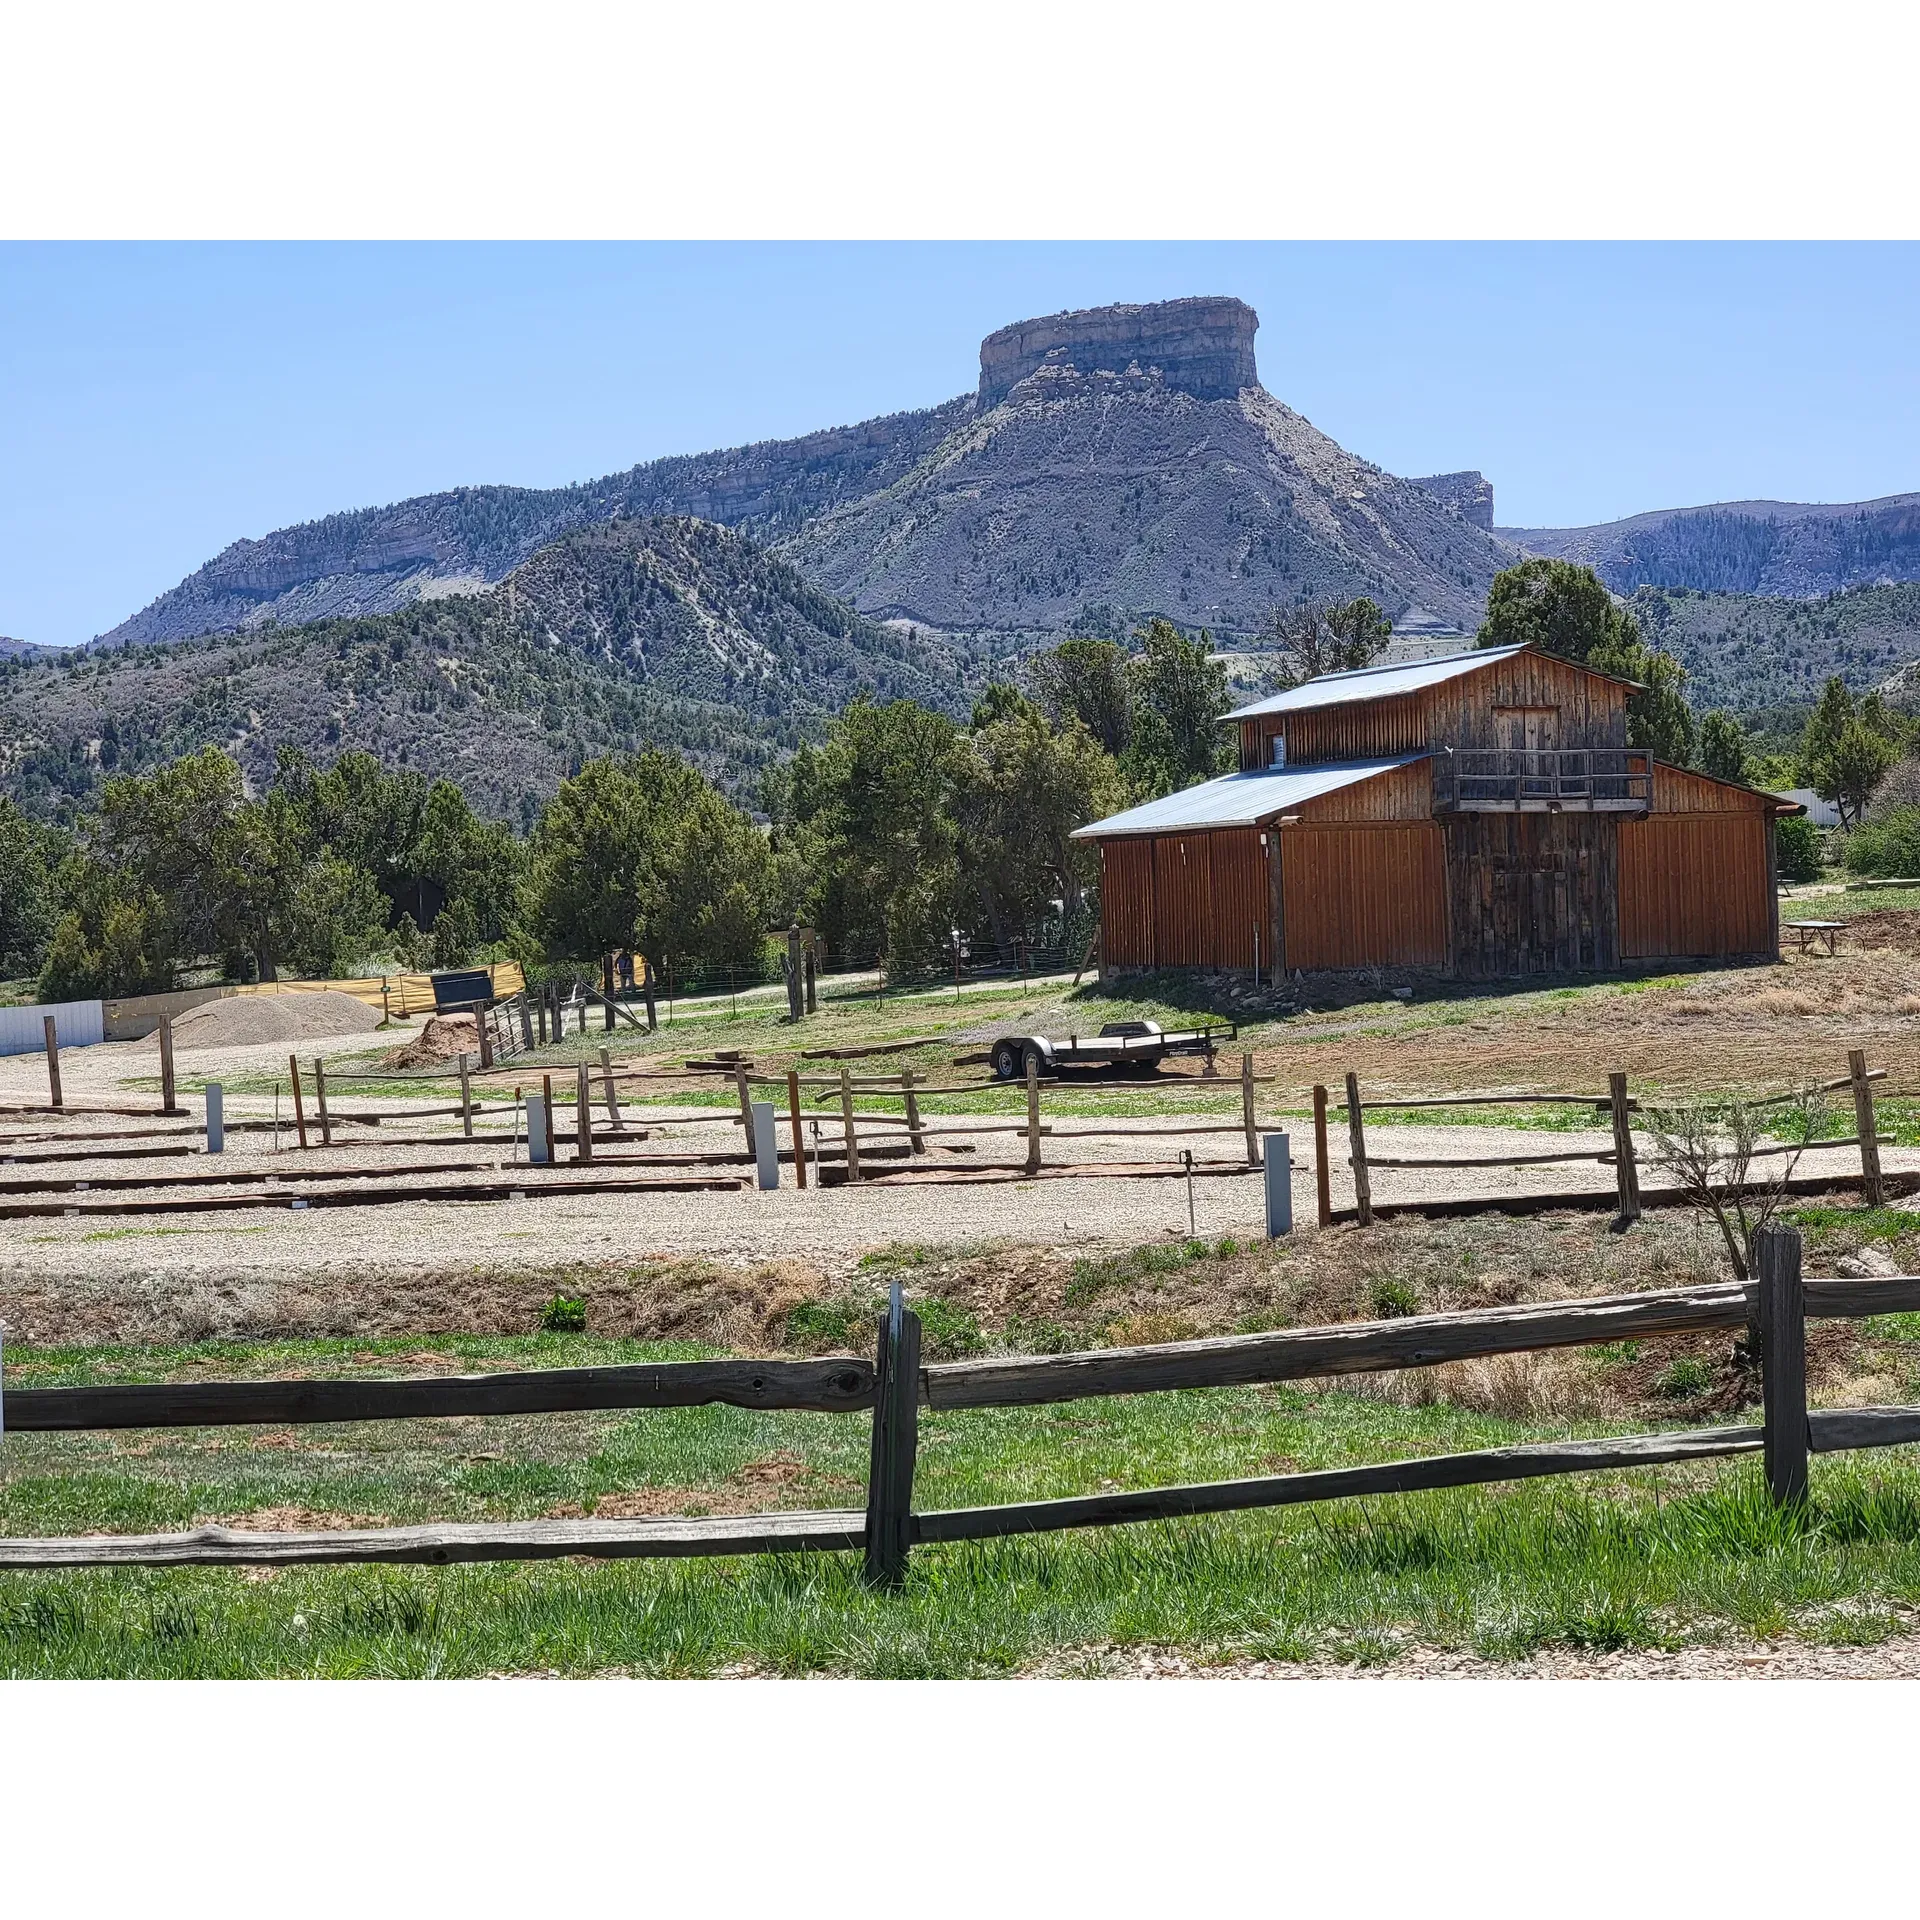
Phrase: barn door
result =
(1532, 893)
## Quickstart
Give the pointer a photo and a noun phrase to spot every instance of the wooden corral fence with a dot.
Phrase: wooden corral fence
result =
(908, 1133)
(895, 1385)
(1626, 1198)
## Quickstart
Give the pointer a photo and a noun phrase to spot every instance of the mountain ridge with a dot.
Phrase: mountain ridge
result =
(1070, 414)
(1785, 548)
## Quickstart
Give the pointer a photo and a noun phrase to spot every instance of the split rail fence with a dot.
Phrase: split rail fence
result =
(1623, 1156)
(895, 1385)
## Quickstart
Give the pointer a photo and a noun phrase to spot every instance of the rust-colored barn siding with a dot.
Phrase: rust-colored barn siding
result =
(1362, 731)
(1196, 899)
(1676, 790)
(1695, 885)
(1242, 905)
(1404, 793)
(1361, 896)
(1183, 900)
(1126, 903)
(1460, 712)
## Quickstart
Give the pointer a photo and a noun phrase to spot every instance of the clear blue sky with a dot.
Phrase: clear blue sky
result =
(157, 402)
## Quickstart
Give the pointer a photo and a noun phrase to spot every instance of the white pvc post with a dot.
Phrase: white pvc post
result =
(1277, 1157)
(216, 1117)
(766, 1155)
(536, 1130)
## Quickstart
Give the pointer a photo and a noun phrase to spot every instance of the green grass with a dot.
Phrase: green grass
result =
(1630, 1559)
(1851, 901)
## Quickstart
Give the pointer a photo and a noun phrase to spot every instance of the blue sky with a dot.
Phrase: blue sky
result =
(157, 401)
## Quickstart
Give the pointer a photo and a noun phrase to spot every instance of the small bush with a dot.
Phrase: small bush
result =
(1150, 1330)
(1226, 1248)
(563, 1315)
(1798, 846)
(1887, 850)
(1394, 1299)
(1686, 1379)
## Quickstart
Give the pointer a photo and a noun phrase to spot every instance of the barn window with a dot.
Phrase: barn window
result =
(1277, 750)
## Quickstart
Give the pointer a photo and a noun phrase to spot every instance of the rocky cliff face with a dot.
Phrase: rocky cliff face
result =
(1202, 347)
(1124, 459)
(1469, 494)
(1119, 491)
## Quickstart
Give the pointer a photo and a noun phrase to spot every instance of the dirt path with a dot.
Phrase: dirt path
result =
(1897, 1658)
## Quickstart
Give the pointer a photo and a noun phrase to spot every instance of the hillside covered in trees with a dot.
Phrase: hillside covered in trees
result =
(1763, 656)
(668, 633)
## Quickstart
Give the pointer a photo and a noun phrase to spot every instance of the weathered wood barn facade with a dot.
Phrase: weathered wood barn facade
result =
(1481, 815)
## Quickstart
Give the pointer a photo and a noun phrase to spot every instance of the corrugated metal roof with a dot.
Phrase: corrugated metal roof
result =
(1243, 799)
(1374, 683)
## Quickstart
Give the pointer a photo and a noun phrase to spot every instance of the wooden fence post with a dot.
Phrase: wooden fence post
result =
(583, 1116)
(1871, 1188)
(466, 1100)
(1783, 1361)
(1246, 1109)
(1357, 1135)
(799, 1144)
(167, 1102)
(1322, 1171)
(483, 1018)
(613, 1102)
(746, 1108)
(1626, 1170)
(526, 1022)
(847, 1127)
(916, 1137)
(320, 1095)
(896, 1433)
(299, 1104)
(51, 1032)
(1033, 1114)
(546, 1113)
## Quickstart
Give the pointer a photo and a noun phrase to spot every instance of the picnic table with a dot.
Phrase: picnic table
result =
(1812, 930)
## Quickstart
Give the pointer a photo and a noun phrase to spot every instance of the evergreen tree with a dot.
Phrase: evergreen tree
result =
(1178, 692)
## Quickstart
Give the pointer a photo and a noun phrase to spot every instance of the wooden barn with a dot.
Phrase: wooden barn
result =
(1481, 815)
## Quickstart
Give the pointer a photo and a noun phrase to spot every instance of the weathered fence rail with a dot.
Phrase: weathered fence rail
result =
(895, 1385)
(1623, 1156)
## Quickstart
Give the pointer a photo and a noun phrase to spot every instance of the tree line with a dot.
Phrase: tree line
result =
(899, 833)
(896, 833)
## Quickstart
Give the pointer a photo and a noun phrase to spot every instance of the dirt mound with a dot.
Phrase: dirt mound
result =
(445, 1037)
(254, 1019)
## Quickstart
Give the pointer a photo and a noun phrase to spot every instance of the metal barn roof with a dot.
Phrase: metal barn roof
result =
(1374, 683)
(1243, 799)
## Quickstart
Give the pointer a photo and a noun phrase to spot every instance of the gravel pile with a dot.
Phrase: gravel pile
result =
(248, 1019)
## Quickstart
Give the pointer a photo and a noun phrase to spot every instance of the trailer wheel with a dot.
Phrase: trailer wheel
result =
(1009, 1060)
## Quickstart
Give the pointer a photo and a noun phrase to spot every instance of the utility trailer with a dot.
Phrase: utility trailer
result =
(1120, 1045)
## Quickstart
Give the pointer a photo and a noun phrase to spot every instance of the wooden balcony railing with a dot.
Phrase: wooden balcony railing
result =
(1506, 779)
